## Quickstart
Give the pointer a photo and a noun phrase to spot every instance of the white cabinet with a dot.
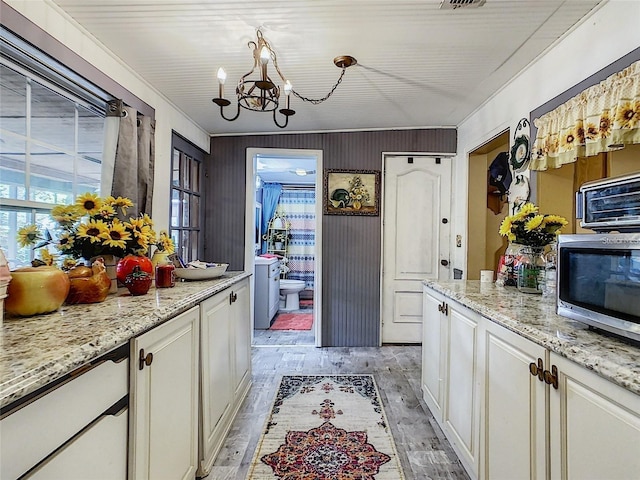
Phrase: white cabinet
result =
(267, 297)
(434, 327)
(241, 318)
(48, 434)
(225, 366)
(164, 400)
(537, 415)
(594, 426)
(586, 428)
(514, 411)
(461, 413)
(450, 373)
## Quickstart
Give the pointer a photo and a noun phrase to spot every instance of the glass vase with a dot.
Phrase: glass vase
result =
(507, 275)
(531, 270)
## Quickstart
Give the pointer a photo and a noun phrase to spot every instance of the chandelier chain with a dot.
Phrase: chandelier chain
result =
(314, 101)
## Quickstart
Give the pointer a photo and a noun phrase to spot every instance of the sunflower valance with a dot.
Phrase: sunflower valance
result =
(602, 118)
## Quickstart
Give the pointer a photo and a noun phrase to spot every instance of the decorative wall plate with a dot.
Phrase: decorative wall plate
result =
(521, 149)
(519, 192)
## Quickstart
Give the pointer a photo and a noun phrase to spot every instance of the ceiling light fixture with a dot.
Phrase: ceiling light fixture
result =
(259, 93)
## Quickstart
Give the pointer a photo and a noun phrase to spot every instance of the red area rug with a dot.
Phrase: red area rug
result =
(326, 427)
(293, 321)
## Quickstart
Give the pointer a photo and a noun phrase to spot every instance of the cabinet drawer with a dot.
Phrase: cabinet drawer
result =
(33, 432)
(99, 453)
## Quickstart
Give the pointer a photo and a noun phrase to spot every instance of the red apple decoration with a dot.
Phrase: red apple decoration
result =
(128, 264)
(36, 290)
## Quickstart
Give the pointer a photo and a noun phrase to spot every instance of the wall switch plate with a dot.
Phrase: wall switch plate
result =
(459, 241)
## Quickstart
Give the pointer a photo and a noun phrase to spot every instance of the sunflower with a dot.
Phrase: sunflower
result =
(121, 202)
(65, 214)
(505, 226)
(533, 223)
(165, 243)
(29, 235)
(528, 227)
(89, 203)
(554, 222)
(65, 242)
(628, 114)
(605, 124)
(528, 208)
(94, 230)
(116, 235)
(106, 211)
(47, 257)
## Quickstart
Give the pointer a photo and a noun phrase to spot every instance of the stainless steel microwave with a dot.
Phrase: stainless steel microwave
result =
(599, 281)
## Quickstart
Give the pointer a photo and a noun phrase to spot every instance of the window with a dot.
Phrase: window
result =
(50, 145)
(186, 168)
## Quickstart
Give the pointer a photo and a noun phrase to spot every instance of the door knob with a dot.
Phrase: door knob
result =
(144, 359)
(537, 370)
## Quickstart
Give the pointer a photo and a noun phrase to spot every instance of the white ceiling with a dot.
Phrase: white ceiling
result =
(418, 65)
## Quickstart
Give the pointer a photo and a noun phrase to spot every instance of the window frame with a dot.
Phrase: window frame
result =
(188, 151)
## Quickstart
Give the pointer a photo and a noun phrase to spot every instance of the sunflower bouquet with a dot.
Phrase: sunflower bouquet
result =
(94, 226)
(530, 228)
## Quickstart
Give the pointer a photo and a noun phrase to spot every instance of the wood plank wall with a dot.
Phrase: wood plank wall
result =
(351, 244)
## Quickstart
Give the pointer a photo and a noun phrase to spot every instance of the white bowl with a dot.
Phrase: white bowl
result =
(202, 273)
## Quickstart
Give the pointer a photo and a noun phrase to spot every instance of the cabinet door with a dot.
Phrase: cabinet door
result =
(242, 336)
(164, 400)
(433, 327)
(594, 426)
(514, 409)
(216, 373)
(461, 412)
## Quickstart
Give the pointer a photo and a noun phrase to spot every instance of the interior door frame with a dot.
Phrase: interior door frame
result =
(385, 155)
(249, 255)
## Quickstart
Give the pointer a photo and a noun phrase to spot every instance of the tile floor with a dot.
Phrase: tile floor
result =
(423, 450)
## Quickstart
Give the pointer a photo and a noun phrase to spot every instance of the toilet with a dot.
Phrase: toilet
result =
(290, 294)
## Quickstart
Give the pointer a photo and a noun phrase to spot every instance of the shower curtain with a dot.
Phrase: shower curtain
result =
(299, 207)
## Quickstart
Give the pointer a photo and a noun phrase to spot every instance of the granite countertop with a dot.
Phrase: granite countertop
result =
(534, 317)
(38, 350)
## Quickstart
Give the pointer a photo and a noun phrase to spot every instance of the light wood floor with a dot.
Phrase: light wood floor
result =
(424, 451)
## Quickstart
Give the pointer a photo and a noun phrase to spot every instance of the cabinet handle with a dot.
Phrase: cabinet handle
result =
(537, 370)
(445, 308)
(144, 359)
(551, 377)
(232, 297)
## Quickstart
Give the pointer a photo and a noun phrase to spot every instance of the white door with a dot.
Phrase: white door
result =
(416, 224)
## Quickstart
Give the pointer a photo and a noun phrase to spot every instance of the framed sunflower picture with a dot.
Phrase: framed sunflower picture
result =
(351, 192)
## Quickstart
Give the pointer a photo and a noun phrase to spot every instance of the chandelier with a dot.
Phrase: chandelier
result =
(256, 90)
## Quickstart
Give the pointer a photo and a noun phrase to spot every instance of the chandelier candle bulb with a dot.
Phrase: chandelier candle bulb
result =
(287, 91)
(222, 77)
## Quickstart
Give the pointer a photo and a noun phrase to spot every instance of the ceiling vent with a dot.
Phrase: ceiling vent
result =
(453, 4)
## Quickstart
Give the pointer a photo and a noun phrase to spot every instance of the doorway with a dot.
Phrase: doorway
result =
(285, 188)
(486, 210)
